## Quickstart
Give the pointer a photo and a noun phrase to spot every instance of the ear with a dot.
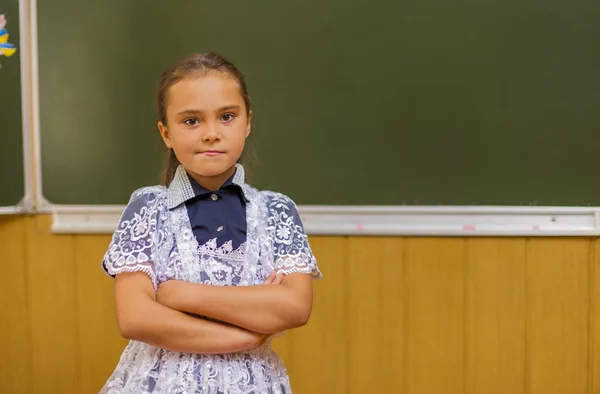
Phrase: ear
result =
(164, 133)
(249, 124)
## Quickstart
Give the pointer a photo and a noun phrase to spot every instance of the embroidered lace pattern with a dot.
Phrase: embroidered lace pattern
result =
(159, 242)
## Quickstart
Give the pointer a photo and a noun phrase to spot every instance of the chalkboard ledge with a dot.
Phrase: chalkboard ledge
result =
(24, 206)
(10, 210)
(385, 220)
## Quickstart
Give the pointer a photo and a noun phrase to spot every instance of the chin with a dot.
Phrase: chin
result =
(210, 169)
(209, 174)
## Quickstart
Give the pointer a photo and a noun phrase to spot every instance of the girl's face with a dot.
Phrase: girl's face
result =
(207, 126)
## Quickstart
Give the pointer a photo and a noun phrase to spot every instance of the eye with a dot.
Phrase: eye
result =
(228, 117)
(191, 122)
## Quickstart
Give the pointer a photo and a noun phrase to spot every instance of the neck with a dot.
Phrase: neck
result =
(212, 182)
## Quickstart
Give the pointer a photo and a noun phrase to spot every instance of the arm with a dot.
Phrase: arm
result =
(265, 308)
(141, 318)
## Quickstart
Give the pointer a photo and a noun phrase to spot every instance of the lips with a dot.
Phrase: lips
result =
(211, 153)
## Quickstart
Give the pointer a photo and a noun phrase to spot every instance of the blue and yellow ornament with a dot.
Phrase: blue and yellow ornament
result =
(6, 49)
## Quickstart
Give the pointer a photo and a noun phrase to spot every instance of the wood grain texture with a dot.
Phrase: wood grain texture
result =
(319, 349)
(99, 342)
(495, 315)
(434, 277)
(406, 315)
(52, 309)
(594, 347)
(15, 361)
(375, 315)
(558, 296)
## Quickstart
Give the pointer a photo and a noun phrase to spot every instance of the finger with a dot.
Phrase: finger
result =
(270, 278)
(278, 279)
(265, 339)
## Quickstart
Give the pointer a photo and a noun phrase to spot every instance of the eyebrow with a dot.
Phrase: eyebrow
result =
(197, 111)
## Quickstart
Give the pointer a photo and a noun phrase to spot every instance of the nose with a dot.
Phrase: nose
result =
(211, 133)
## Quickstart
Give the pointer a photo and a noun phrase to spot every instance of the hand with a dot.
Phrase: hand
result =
(265, 339)
(274, 278)
(169, 293)
(256, 339)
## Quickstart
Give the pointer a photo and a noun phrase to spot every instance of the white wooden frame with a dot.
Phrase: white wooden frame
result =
(25, 205)
(330, 220)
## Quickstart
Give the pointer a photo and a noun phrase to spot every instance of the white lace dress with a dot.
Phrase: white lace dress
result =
(159, 241)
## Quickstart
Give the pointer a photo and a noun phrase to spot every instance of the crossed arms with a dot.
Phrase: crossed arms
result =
(247, 315)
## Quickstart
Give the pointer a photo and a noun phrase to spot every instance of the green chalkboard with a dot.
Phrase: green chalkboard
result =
(364, 102)
(11, 129)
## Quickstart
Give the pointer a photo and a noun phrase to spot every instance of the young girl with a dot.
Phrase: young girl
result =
(207, 268)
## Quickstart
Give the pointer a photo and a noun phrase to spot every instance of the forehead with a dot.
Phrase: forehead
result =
(206, 91)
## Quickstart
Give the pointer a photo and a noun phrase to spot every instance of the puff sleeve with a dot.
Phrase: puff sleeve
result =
(291, 249)
(134, 241)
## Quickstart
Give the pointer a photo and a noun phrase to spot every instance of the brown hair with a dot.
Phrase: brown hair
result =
(192, 65)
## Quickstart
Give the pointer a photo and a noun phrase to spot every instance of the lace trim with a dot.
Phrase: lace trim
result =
(297, 264)
(147, 369)
(275, 240)
(147, 268)
(291, 249)
(225, 251)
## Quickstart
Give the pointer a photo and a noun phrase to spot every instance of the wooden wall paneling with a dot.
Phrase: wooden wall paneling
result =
(15, 362)
(375, 315)
(434, 277)
(319, 350)
(100, 344)
(52, 309)
(495, 315)
(558, 296)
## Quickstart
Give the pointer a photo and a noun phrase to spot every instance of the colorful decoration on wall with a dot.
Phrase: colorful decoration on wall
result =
(6, 49)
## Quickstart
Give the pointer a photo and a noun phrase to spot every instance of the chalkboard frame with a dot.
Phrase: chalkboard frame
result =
(462, 221)
(26, 51)
(447, 221)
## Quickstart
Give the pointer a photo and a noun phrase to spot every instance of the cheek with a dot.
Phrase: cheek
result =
(184, 149)
(183, 141)
(239, 140)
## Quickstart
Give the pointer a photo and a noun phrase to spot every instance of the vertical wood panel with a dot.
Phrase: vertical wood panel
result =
(15, 361)
(99, 343)
(434, 270)
(319, 350)
(438, 321)
(558, 315)
(495, 315)
(53, 309)
(594, 378)
(375, 315)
